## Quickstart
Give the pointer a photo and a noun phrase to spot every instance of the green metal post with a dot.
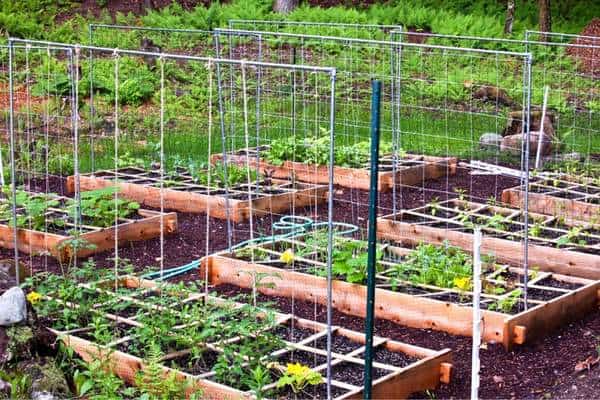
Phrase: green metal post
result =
(372, 239)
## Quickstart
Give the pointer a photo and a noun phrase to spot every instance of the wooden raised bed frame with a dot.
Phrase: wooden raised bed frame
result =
(143, 186)
(411, 170)
(559, 196)
(128, 230)
(418, 225)
(432, 367)
(407, 309)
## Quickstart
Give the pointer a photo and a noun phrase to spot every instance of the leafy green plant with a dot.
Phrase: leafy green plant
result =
(20, 383)
(239, 360)
(315, 150)
(536, 229)
(572, 236)
(96, 381)
(507, 303)
(496, 222)
(442, 266)
(222, 175)
(349, 257)
(100, 207)
(434, 206)
(298, 377)
(34, 209)
(153, 383)
(258, 282)
(257, 381)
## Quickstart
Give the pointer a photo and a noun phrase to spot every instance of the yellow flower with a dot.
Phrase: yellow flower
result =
(297, 369)
(463, 283)
(287, 256)
(34, 297)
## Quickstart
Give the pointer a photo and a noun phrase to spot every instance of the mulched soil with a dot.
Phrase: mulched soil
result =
(542, 369)
(19, 99)
(589, 57)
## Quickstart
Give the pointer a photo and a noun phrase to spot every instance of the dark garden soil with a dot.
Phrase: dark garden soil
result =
(302, 357)
(310, 393)
(589, 57)
(542, 369)
(558, 284)
(385, 356)
(293, 333)
(339, 344)
(196, 366)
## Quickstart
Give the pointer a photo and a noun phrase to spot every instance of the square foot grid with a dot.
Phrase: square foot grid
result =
(133, 301)
(183, 180)
(505, 222)
(502, 284)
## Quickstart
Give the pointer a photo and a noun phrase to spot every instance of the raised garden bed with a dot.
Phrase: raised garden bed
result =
(399, 369)
(183, 193)
(556, 244)
(562, 195)
(51, 229)
(410, 169)
(405, 294)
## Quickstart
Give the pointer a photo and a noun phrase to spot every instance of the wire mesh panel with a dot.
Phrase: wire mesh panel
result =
(569, 66)
(565, 64)
(39, 106)
(436, 101)
(143, 135)
(340, 29)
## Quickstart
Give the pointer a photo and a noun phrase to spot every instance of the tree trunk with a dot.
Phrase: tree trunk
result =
(545, 18)
(510, 17)
(146, 4)
(285, 6)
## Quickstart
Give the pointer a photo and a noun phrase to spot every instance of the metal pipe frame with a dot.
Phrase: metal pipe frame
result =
(109, 50)
(523, 42)
(371, 41)
(364, 27)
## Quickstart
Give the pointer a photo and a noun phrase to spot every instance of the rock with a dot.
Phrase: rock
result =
(491, 141)
(42, 396)
(13, 307)
(19, 344)
(513, 144)
(7, 273)
(515, 126)
(45, 377)
(5, 389)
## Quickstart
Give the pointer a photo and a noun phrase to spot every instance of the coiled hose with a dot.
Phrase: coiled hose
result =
(288, 226)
